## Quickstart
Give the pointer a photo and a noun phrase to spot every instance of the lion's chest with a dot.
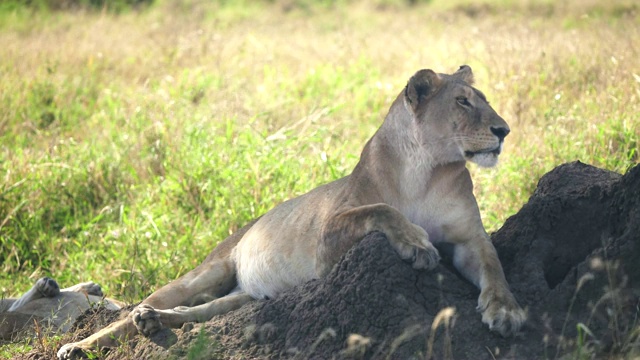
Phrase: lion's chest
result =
(425, 213)
(442, 201)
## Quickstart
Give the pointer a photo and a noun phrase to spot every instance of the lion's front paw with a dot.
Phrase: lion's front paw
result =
(71, 351)
(414, 246)
(418, 237)
(501, 312)
(408, 239)
(426, 259)
(146, 319)
(47, 287)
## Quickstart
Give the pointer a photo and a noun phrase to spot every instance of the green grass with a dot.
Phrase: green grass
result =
(132, 143)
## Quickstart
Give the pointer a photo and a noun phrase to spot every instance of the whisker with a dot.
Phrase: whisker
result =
(449, 139)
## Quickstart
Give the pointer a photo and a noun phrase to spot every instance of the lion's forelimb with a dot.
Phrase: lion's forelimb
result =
(477, 260)
(348, 227)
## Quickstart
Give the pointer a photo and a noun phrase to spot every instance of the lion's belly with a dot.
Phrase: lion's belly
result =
(276, 254)
(264, 273)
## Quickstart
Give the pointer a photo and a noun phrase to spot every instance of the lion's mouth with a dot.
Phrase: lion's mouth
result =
(495, 151)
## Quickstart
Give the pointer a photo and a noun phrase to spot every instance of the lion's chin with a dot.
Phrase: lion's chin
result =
(484, 158)
(488, 159)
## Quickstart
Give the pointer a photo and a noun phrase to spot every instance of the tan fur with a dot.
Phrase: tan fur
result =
(50, 307)
(411, 183)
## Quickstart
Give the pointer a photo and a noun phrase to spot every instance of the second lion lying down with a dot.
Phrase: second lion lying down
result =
(411, 183)
(49, 308)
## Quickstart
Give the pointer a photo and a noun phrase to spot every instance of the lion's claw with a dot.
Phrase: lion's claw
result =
(426, 259)
(70, 352)
(501, 312)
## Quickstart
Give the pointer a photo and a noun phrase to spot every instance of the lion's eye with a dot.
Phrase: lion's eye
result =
(462, 100)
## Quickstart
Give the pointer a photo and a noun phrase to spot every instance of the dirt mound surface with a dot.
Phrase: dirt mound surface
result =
(570, 255)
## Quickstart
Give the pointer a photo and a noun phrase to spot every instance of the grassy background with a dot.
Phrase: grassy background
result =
(131, 142)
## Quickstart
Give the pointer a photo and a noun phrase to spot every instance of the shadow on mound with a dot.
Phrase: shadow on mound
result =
(570, 254)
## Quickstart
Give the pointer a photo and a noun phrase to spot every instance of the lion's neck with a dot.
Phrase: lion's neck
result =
(398, 139)
(399, 162)
(399, 136)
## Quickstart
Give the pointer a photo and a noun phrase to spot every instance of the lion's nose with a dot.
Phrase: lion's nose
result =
(500, 132)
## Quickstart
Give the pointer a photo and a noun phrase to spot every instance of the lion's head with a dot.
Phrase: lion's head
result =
(453, 118)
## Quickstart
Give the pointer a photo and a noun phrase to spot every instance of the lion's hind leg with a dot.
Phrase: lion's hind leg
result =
(212, 277)
(44, 287)
(127, 328)
(215, 277)
(105, 338)
(149, 320)
(87, 288)
(209, 287)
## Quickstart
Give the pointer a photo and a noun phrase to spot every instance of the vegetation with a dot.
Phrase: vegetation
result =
(131, 142)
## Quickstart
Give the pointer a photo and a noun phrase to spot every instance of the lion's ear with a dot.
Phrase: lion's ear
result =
(421, 85)
(465, 74)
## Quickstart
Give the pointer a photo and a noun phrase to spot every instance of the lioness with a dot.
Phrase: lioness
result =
(53, 308)
(411, 183)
